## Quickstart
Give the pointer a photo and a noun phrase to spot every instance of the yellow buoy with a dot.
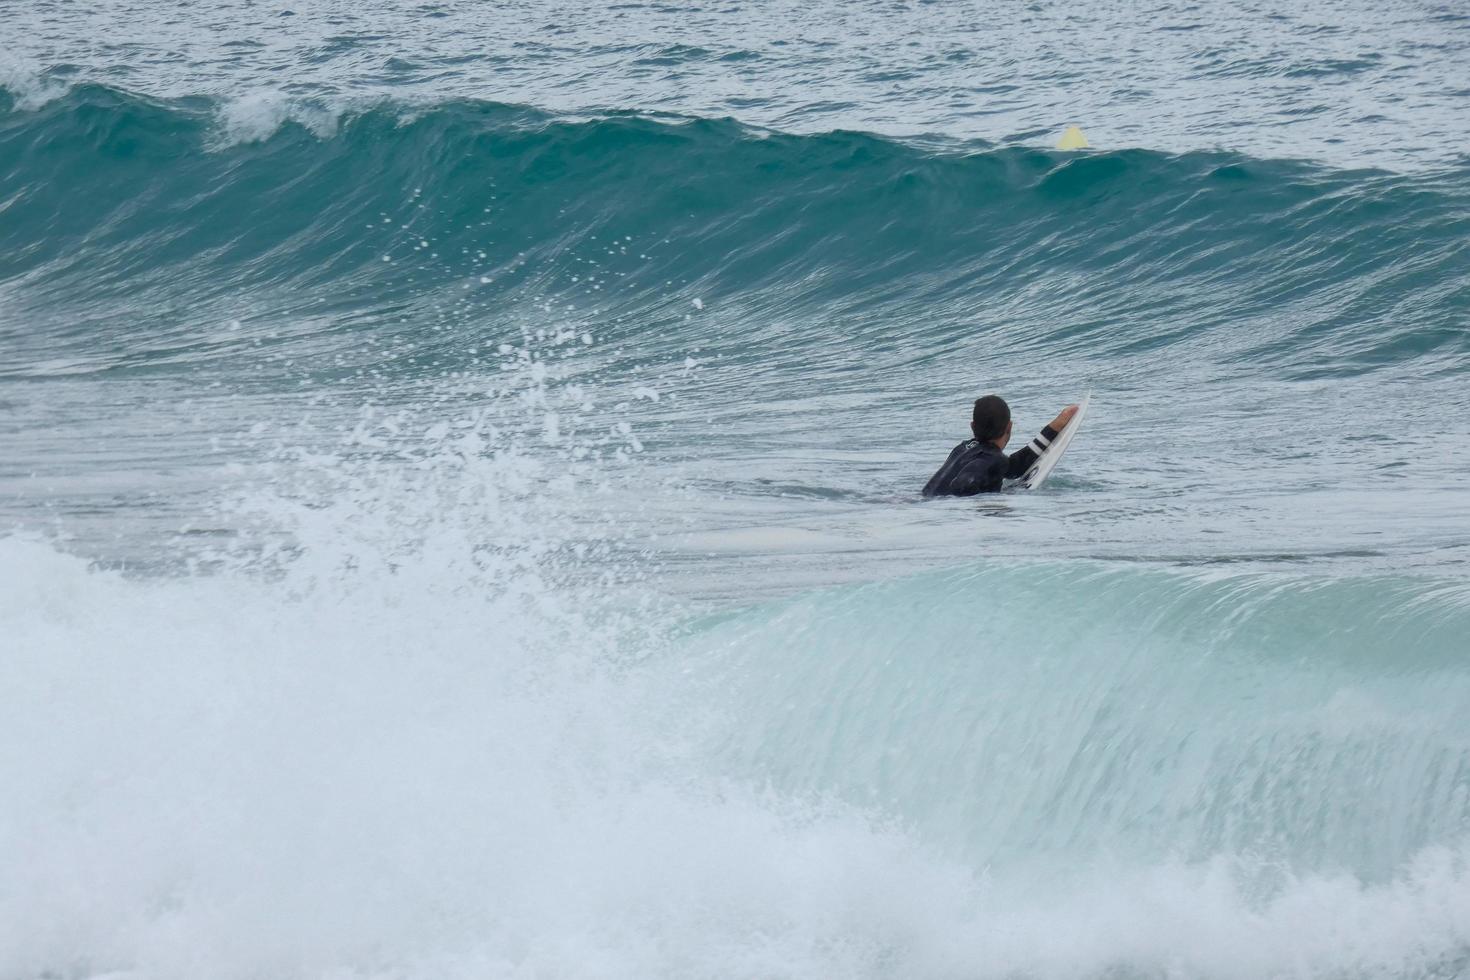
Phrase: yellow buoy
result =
(1073, 139)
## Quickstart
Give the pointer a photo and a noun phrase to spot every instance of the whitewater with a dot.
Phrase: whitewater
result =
(459, 491)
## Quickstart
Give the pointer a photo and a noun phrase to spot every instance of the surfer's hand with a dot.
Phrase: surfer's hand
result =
(1060, 422)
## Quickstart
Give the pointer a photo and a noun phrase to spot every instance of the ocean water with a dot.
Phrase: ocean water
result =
(459, 474)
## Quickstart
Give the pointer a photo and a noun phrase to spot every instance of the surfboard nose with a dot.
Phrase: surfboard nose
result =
(1073, 139)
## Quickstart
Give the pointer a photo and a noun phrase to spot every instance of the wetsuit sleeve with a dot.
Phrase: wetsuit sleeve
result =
(1020, 461)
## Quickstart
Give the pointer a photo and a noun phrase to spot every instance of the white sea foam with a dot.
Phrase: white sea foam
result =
(26, 81)
(411, 753)
(258, 115)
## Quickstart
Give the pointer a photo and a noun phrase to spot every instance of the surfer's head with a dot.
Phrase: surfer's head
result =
(992, 420)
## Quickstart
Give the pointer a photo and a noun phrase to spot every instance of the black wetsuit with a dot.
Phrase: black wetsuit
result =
(978, 467)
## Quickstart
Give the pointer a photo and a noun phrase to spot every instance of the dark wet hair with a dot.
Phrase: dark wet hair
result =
(991, 417)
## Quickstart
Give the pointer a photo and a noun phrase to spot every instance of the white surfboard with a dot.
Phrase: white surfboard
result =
(1047, 461)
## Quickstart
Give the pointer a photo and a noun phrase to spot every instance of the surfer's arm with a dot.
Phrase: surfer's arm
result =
(1020, 461)
(1063, 417)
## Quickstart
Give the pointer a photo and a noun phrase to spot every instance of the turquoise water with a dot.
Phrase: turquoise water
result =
(459, 492)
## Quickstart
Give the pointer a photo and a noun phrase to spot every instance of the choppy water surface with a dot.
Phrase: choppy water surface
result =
(1351, 82)
(459, 469)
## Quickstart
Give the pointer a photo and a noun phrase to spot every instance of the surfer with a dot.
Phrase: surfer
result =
(979, 465)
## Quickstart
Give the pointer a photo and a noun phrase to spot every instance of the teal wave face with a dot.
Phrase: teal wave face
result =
(1260, 266)
(1082, 709)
